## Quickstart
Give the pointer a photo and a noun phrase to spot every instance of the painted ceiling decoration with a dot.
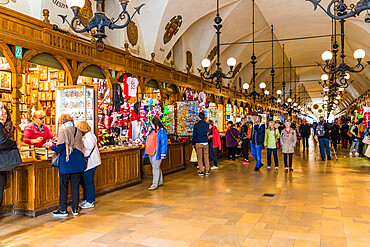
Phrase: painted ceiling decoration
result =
(172, 28)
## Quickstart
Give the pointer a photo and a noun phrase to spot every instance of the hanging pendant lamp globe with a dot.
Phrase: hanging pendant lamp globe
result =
(327, 55)
(245, 86)
(262, 85)
(279, 92)
(359, 54)
(324, 77)
(206, 63)
(231, 62)
(75, 3)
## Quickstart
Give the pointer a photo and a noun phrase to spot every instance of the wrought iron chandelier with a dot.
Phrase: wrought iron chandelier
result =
(231, 62)
(338, 9)
(99, 21)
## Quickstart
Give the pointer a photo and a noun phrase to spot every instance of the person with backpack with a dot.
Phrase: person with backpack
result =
(323, 134)
(245, 136)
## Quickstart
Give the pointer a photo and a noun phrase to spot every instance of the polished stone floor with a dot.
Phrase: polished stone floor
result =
(319, 204)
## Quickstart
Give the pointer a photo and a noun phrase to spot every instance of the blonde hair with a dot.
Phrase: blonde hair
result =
(38, 114)
(83, 126)
(271, 122)
(65, 117)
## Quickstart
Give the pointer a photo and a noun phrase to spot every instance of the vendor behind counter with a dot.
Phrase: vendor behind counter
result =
(37, 133)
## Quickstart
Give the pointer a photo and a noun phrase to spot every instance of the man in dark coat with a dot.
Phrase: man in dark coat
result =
(305, 132)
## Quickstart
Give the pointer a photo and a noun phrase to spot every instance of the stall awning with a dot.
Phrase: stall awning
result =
(152, 84)
(46, 60)
(93, 71)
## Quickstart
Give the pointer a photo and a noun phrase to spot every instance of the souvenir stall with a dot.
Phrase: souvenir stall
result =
(5, 82)
(169, 110)
(43, 75)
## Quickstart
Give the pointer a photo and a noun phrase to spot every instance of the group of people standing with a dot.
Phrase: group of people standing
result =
(254, 135)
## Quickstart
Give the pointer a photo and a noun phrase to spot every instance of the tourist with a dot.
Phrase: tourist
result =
(257, 140)
(323, 133)
(156, 149)
(344, 128)
(334, 134)
(37, 133)
(245, 136)
(361, 134)
(272, 136)
(214, 142)
(232, 141)
(239, 147)
(6, 142)
(355, 141)
(92, 156)
(305, 132)
(288, 139)
(200, 143)
(70, 149)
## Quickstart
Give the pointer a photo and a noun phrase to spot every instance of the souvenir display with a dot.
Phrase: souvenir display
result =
(187, 116)
(34, 80)
(213, 114)
(168, 118)
(78, 101)
(229, 113)
(5, 80)
(44, 76)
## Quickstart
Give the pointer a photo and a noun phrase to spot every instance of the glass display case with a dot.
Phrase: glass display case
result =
(78, 101)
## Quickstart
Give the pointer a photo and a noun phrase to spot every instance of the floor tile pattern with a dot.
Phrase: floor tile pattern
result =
(319, 204)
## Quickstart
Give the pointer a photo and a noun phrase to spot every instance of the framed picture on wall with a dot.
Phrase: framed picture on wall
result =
(34, 80)
(44, 73)
(61, 75)
(53, 74)
(5, 80)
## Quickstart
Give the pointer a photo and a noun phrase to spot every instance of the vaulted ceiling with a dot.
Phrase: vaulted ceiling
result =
(291, 19)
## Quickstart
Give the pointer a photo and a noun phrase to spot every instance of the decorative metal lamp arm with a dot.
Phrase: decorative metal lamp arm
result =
(124, 15)
(341, 7)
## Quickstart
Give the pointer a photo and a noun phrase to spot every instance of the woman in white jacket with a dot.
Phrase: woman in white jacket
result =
(93, 155)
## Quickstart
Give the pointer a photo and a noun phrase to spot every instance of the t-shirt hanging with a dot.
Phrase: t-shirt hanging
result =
(132, 83)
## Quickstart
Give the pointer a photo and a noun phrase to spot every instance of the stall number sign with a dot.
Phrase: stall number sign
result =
(18, 52)
(113, 74)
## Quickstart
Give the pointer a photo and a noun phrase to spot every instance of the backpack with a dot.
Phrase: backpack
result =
(320, 130)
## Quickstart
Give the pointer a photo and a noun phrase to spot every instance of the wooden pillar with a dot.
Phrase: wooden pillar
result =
(17, 79)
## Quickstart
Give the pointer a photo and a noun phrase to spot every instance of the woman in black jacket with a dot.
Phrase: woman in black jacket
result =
(5, 142)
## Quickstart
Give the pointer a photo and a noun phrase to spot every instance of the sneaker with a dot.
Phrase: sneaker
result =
(357, 154)
(160, 184)
(207, 173)
(201, 173)
(350, 153)
(197, 167)
(60, 213)
(286, 170)
(153, 187)
(88, 205)
(245, 162)
(75, 212)
(268, 167)
(256, 169)
(214, 168)
(82, 203)
(291, 169)
(276, 168)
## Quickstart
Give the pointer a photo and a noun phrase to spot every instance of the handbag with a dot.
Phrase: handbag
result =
(277, 141)
(236, 139)
(194, 157)
(349, 133)
(88, 157)
(366, 140)
(9, 159)
(56, 162)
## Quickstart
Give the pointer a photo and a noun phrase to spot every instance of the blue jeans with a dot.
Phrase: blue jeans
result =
(274, 152)
(324, 144)
(256, 151)
(88, 185)
(213, 154)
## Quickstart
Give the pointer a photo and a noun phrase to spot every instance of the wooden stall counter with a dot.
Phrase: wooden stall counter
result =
(33, 187)
(175, 160)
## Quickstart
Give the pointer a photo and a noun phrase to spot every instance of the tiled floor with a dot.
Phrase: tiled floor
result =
(319, 204)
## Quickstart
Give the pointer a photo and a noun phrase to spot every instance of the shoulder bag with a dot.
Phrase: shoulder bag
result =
(56, 162)
(277, 141)
(88, 157)
(236, 139)
(9, 159)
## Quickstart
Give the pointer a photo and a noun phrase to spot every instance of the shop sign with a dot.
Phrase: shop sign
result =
(18, 52)
(113, 74)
